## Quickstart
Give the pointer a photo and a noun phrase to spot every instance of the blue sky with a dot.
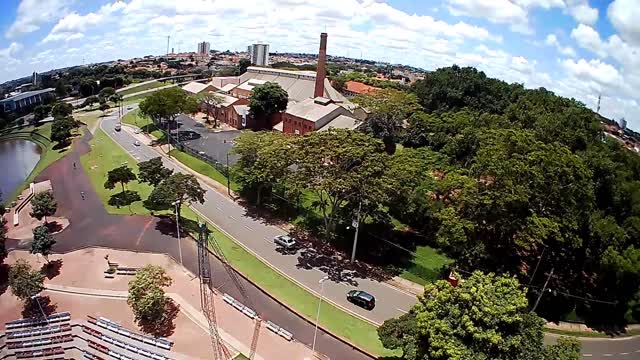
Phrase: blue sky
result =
(577, 48)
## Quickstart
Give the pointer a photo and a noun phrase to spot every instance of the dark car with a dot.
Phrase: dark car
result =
(362, 298)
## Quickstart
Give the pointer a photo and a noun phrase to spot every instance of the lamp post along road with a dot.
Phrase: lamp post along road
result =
(178, 204)
(228, 169)
(356, 224)
(315, 333)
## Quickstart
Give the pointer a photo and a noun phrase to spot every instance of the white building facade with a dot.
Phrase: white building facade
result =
(259, 54)
(203, 47)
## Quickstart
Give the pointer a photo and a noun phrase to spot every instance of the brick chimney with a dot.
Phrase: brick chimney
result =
(322, 63)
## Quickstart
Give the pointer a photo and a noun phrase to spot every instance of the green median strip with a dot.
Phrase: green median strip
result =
(143, 87)
(134, 118)
(106, 155)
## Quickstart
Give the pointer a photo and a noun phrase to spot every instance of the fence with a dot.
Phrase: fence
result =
(222, 168)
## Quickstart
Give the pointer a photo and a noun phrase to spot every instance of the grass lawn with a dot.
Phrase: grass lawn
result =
(97, 166)
(334, 319)
(148, 86)
(202, 167)
(90, 118)
(240, 357)
(425, 266)
(49, 154)
(136, 119)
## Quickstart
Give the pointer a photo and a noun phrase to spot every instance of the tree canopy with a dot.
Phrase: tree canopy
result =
(484, 317)
(121, 175)
(146, 296)
(183, 188)
(24, 281)
(43, 204)
(42, 241)
(166, 104)
(153, 171)
(266, 100)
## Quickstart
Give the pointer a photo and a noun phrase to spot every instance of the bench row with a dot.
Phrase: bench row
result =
(46, 330)
(116, 328)
(132, 348)
(107, 351)
(40, 342)
(16, 324)
(40, 353)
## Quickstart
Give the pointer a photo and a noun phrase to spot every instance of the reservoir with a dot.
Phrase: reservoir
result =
(17, 159)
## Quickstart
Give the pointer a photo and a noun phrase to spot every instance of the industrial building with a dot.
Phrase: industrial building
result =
(26, 100)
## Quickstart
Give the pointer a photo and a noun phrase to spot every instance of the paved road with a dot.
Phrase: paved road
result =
(91, 225)
(305, 266)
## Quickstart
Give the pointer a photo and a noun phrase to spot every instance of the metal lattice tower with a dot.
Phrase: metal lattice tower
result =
(220, 352)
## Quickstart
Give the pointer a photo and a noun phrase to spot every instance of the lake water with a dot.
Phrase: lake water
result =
(17, 159)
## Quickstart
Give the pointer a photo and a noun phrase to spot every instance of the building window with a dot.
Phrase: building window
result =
(297, 132)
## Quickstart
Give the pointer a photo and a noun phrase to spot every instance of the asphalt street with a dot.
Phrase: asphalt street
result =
(257, 235)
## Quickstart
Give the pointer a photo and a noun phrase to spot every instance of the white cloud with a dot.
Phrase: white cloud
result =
(73, 25)
(594, 70)
(586, 37)
(625, 17)
(552, 40)
(32, 14)
(496, 11)
(582, 12)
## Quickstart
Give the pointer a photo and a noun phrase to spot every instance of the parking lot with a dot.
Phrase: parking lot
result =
(215, 144)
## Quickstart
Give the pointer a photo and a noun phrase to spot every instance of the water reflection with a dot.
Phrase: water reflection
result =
(17, 159)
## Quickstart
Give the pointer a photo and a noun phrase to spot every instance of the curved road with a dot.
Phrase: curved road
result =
(91, 225)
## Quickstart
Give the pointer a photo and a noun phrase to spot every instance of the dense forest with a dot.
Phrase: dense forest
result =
(504, 179)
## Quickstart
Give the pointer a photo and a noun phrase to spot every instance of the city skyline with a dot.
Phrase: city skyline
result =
(576, 48)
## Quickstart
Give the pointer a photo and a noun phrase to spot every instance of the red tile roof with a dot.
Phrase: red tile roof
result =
(359, 88)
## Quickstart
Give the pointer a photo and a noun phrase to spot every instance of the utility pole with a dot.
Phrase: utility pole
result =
(537, 264)
(599, 98)
(356, 224)
(543, 289)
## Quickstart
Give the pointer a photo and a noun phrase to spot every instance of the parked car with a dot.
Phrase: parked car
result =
(362, 299)
(118, 127)
(285, 241)
(136, 131)
(136, 143)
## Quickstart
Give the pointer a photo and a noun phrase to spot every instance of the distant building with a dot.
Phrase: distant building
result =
(316, 114)
(203, 48)
(259, 54)
(26, 100)
(35, 78)
(623, 123)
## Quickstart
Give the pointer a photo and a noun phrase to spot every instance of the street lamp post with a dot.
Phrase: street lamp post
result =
(356, 224)
(315, 333)
(228, 169)
(35, 297)
(177, 204)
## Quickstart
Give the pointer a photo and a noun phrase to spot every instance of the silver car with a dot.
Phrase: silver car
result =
(285, 241)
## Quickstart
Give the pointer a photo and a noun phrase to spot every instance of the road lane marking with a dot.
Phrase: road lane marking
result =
(607, 355)
(403, 311)
(218, 207)
(624, 353)
(587, 355)
(248, 228)
(232, 218)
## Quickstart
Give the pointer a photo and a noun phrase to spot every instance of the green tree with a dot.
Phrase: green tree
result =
(61, 110)
(243, 65)
(564, 349)
(153, 171)
(61, 89)
(24, 281)
(183, 188)
(41, 111)
(266, 100)
(343, 169)
(104, 107)
(389, 109)
(43, 204)
(122, 175)
(3, 232)
(61, 129)
(90, 100)
(42, 241)
(265, 160)
(339, 83)
(106, 92)
(211, 102)
(88, 87)
(484, 317)
(166, 104)
(146, 296)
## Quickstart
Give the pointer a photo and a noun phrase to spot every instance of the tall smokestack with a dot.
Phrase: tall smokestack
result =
(322, 63)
